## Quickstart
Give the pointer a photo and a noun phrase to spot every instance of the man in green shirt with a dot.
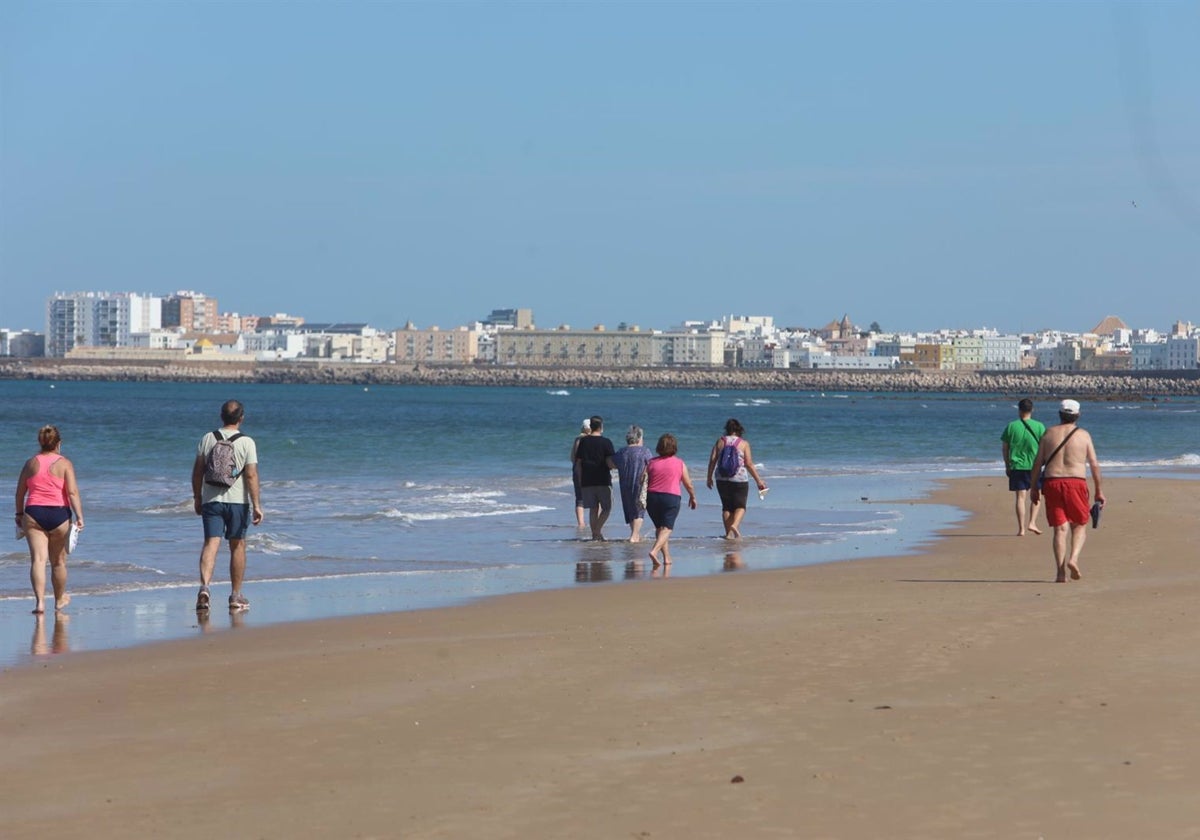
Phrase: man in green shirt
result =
(1019, 443)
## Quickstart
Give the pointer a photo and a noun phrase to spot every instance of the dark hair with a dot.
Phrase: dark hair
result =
(1025, 406)
(232, 412)
(49, 438)
(1067, 417)
(597, 423)
(667, 445)
(733, 427)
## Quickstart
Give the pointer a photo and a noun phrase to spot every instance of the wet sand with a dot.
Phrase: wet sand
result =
(954, 694)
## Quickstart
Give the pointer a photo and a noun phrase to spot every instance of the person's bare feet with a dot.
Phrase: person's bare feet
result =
(1062, 578)
(39, 610)
(1074, 570)
(1033, 530)
(654, 559)
(61, 605)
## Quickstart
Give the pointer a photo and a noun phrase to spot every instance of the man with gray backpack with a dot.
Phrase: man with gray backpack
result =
(225, 493)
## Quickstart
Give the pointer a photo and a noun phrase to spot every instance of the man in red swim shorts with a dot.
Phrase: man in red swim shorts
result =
(1065, 454)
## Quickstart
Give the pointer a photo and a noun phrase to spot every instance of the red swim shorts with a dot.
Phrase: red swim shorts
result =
(1066, 500)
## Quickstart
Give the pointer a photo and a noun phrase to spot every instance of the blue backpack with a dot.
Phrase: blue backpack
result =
(729, 461)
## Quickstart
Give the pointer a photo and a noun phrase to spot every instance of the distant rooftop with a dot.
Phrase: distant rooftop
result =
(1109, 326)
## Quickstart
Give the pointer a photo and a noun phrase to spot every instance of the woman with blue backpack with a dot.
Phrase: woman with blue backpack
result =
(732, 465)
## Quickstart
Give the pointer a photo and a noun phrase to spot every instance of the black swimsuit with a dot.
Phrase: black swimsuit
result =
(49, 517)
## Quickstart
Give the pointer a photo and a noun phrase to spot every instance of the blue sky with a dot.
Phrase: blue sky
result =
(923, 165)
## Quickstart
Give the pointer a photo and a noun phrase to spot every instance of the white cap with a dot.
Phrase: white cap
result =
(1069, 407)
(586, 425)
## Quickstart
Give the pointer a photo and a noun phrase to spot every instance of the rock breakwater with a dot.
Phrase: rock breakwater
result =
(1094, 385)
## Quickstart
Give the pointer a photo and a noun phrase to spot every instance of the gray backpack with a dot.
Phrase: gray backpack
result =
(220, 467)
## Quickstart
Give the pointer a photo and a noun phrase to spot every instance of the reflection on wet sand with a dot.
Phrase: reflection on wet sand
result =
(594, 571)
(58, 641)
(204, 620)
(733, 562)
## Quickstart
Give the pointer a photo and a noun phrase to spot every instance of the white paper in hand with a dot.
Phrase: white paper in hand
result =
(73, 539)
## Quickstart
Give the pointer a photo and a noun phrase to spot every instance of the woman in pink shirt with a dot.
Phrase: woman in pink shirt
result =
(47, 494)
(664, 475)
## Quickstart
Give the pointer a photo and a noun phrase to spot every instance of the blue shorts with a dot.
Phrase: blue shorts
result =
(1020, 479)
(222, 519)
(662, 508)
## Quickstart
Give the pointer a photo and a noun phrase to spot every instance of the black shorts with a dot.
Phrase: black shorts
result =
(733, 494)
(1020, 479)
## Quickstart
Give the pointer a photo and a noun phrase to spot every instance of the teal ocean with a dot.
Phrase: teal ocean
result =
(394, 498)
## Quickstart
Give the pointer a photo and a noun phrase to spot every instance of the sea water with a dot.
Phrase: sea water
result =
(389, 498)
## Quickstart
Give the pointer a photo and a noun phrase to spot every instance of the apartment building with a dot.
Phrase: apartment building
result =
(933, 356)
(98, 319)
(435, 346)
(24, 343)
(191, 312)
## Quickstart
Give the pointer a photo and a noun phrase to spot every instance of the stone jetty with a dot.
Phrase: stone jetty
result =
(1123, 386)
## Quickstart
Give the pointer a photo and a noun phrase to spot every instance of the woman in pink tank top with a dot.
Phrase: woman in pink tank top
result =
(664, 475)
(47, 494)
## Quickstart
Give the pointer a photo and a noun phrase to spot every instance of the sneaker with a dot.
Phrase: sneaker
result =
(202, 599)
(238, 602)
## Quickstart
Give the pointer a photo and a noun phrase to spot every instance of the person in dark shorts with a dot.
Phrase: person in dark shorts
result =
(594, 457)
(1019, 445)
(664, 476)
(47, 495)
(734, 489)
(226, 510)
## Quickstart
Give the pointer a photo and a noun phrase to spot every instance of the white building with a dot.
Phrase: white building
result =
(98, 319)
(1002, 352)
(1149, 355)
(1183, 353)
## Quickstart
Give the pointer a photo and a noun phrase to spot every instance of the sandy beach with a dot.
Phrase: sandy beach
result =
(958, 694)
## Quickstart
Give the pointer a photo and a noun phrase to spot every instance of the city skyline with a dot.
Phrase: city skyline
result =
(197, 313)
(1020, 166)
(225, 311)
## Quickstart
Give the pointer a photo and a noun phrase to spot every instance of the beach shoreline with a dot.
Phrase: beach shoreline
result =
(957, 692)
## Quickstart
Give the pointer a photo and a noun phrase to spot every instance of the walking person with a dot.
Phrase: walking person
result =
(631, 461)
(1064, 456)
(733, 471)
(225, 493)
(664, 475)
(594, 457)
(585, 429)
(47, 496)
(1019, 446)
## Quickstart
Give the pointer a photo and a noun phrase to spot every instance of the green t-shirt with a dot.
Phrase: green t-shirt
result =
(1022, 445)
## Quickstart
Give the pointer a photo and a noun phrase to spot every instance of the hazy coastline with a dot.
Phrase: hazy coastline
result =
(1127, 385)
